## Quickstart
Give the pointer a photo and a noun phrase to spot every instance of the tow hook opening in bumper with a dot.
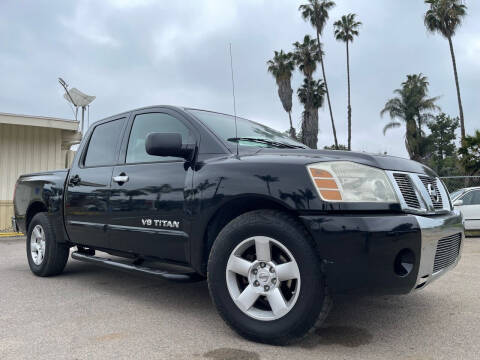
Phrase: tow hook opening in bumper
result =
(404, 262)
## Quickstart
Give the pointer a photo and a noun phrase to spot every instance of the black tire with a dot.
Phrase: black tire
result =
(313, 302)
(56, 254)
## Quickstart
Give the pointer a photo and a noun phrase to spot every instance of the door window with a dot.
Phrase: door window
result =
(145, 124)
(476, 198)
(102, 145)
(471, 198)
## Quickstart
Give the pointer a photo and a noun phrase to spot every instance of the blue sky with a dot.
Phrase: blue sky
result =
(137, 53)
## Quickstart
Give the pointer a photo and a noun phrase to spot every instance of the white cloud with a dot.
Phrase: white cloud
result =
(87, 23)
(470, 47)
(199, 20)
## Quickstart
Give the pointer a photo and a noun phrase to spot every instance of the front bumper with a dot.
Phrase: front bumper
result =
(439, 246)
(366, 253)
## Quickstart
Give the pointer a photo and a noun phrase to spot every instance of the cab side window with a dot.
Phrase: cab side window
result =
(145, 124)
(102, 146)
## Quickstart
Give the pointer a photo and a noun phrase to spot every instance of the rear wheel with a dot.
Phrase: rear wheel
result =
(46, 257)
(265, 278)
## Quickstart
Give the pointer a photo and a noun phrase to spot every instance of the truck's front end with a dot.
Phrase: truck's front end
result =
(383, 231)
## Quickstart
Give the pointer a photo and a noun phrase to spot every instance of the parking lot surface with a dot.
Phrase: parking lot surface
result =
(90, 312)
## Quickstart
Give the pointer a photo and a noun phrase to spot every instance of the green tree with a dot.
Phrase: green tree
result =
(443, 149)
(333, 147)
(470, 154)
(444, 17)
(345, 30)
(311, 94)
(413, 107)
(316, 12)
(281, 67)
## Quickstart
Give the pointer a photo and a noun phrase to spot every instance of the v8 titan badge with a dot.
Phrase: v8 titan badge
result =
(161, 223)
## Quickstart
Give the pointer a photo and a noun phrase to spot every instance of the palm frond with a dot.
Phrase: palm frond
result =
(346, 28)
(391, 125)
(306, 55)
(444, 16)
(316, 12)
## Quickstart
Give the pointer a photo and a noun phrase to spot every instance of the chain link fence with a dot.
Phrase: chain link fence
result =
(458, 182)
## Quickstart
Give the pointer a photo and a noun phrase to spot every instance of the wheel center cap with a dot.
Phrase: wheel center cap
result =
(263, 276)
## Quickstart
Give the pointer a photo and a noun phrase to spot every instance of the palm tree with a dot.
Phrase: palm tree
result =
(345, 29)
(281, 67)
(311, 94)
(316, 12)
(417, 87)
(305, 55)
(412, 106)
(445, 16)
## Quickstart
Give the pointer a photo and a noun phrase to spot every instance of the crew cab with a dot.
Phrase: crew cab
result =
(276, 228)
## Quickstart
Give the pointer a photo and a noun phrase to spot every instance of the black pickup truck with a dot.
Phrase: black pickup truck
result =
(275, 227)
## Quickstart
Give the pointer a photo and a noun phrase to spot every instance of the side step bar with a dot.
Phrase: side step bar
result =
(112, 264)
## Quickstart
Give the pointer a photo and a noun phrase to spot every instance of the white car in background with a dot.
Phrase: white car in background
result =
(467, 200)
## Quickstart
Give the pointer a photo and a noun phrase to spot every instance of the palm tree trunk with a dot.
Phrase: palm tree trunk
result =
(459, 98)
(349, 109)
(306, 126)
(310, 127)
(293, 135)
(326, 90)
(314, 122)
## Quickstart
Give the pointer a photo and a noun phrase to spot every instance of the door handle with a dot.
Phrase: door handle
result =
(120, 179)
(74, 180)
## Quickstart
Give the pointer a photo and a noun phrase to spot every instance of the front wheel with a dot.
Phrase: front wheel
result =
(265, 278)
(46, 256)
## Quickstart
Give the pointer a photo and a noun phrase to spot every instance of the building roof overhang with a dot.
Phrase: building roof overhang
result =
(40, 121)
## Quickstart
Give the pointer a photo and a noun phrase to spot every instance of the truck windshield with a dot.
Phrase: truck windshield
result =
(249, 133)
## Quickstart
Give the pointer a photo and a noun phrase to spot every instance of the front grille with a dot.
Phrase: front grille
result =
(406, 188)
(447, 252)
(435, 196)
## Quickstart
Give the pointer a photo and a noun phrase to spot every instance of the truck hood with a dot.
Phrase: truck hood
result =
(384, 162)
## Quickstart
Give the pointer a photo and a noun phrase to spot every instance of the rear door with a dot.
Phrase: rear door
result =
(88, 186)
(148, 196)
(471, 209)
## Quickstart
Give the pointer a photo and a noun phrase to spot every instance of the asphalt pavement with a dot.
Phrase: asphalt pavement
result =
(90, 312)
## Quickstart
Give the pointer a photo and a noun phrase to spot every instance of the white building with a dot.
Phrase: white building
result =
(31, 144)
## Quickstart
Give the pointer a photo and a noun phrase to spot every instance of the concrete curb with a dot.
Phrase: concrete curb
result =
(10, 234)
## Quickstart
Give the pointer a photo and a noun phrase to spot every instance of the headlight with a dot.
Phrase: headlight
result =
(344, 181)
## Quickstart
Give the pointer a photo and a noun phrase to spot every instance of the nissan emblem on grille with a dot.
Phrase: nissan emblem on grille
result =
(431, 185)
(433, 192)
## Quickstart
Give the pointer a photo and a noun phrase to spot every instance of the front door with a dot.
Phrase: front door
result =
(148, 193)
(88, 185)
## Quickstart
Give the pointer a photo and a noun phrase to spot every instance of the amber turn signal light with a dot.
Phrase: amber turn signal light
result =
(325, 184)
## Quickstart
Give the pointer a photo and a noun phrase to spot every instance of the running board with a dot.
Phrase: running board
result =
(109, 263)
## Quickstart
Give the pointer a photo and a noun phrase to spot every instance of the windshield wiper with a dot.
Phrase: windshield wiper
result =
(266, 141)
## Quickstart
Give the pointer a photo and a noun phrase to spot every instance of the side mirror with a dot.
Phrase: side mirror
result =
(167, 144)
(458, 203)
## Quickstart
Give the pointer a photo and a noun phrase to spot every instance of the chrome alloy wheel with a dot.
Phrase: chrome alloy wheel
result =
(263, 278)
(37, 244)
